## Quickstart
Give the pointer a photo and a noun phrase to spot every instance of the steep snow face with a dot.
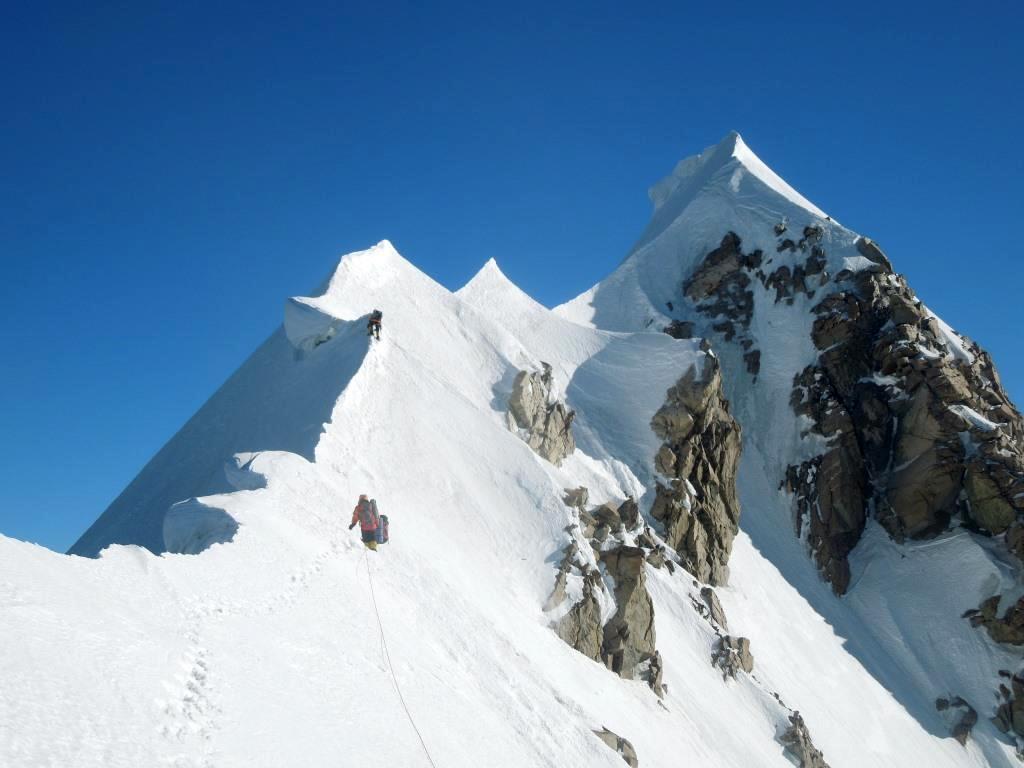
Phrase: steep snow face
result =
(285, 642)
(277, 401)
(692, 174)
(901, 618)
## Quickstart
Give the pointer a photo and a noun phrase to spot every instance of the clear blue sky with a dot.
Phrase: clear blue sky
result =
(168, 175)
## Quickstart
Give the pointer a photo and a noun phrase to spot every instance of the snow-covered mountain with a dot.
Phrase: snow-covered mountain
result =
(746, 476)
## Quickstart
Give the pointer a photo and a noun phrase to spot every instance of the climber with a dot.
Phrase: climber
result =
(366, 515)
(373, 324)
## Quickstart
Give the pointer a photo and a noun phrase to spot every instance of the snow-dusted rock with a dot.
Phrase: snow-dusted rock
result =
(960, 716)
(715, 611)
(797, 741)
(629, 636)
(622, 746)
(581, 626)
(548, 425)
(699, 456)
(733, 656)
(903, 412)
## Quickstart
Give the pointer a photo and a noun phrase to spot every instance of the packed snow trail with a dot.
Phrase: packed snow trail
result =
(264, 650)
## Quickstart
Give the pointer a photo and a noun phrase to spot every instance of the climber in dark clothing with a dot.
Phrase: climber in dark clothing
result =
(373, 324)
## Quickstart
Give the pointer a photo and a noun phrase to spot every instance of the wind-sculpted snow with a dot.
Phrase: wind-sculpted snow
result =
(279, 400)
(191, 526)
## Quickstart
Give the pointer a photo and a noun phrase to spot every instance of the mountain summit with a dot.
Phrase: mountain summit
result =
(746, 501)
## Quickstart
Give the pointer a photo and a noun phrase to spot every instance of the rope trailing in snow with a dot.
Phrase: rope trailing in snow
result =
(394, 679)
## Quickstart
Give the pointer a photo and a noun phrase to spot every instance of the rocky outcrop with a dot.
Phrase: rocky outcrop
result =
(1009, 716)
(581, 626)
(629, 635)
(625, 643)
(620, 745)
(733, 655)
(610, 520)
(696, 500)
(918, 426)
(1009, 628)
(678, 329)
(960, 715)
(568, 563)
(796, 740)
(715, 612)
(546, 424)
(720, 289)
(803, 277)
(576, 498)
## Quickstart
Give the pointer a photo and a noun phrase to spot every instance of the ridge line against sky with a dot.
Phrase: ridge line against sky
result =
(172, 175)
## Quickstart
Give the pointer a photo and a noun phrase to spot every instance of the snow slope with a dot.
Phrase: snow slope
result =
(275, 645)
(901, 619)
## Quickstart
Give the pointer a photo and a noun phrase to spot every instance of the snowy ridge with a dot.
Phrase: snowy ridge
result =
(264, 649)
(731, 151)
(910, 638)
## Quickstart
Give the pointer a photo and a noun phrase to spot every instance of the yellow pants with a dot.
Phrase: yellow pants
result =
(371, 545)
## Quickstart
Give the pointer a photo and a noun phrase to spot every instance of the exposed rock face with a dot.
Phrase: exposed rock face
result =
(1009, 717)
(798, 745)
(678, 329)
(699, 456)
(920, 432)
(558, 593)
(732, 655)
(581, 626)
(626, 643)
(620, 745)
(629, 634)
(576, 498)
(547, 424)
(1007, 629)
(629, 514)
(720, 289)
(961, 716)
(715, 611)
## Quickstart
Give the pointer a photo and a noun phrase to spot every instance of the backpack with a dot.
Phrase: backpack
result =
(379, 530)
(368, 519)
(382, 530)
(377, 315)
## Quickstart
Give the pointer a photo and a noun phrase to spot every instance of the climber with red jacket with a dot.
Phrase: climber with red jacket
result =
(366, 515)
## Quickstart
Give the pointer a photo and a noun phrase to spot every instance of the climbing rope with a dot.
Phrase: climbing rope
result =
(391, 669)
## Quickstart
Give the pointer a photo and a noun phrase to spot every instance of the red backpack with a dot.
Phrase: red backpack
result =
(368, 519)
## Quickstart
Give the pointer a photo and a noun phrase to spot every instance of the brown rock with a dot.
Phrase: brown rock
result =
(698, 506)
(546, 424)
(987, 506)
(620, 745)
(581, 626)
(629, 636)
(715, 610)
(798, 745)
(733, 655)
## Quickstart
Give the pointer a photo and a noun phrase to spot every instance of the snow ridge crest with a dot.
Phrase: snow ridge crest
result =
(693, 174)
